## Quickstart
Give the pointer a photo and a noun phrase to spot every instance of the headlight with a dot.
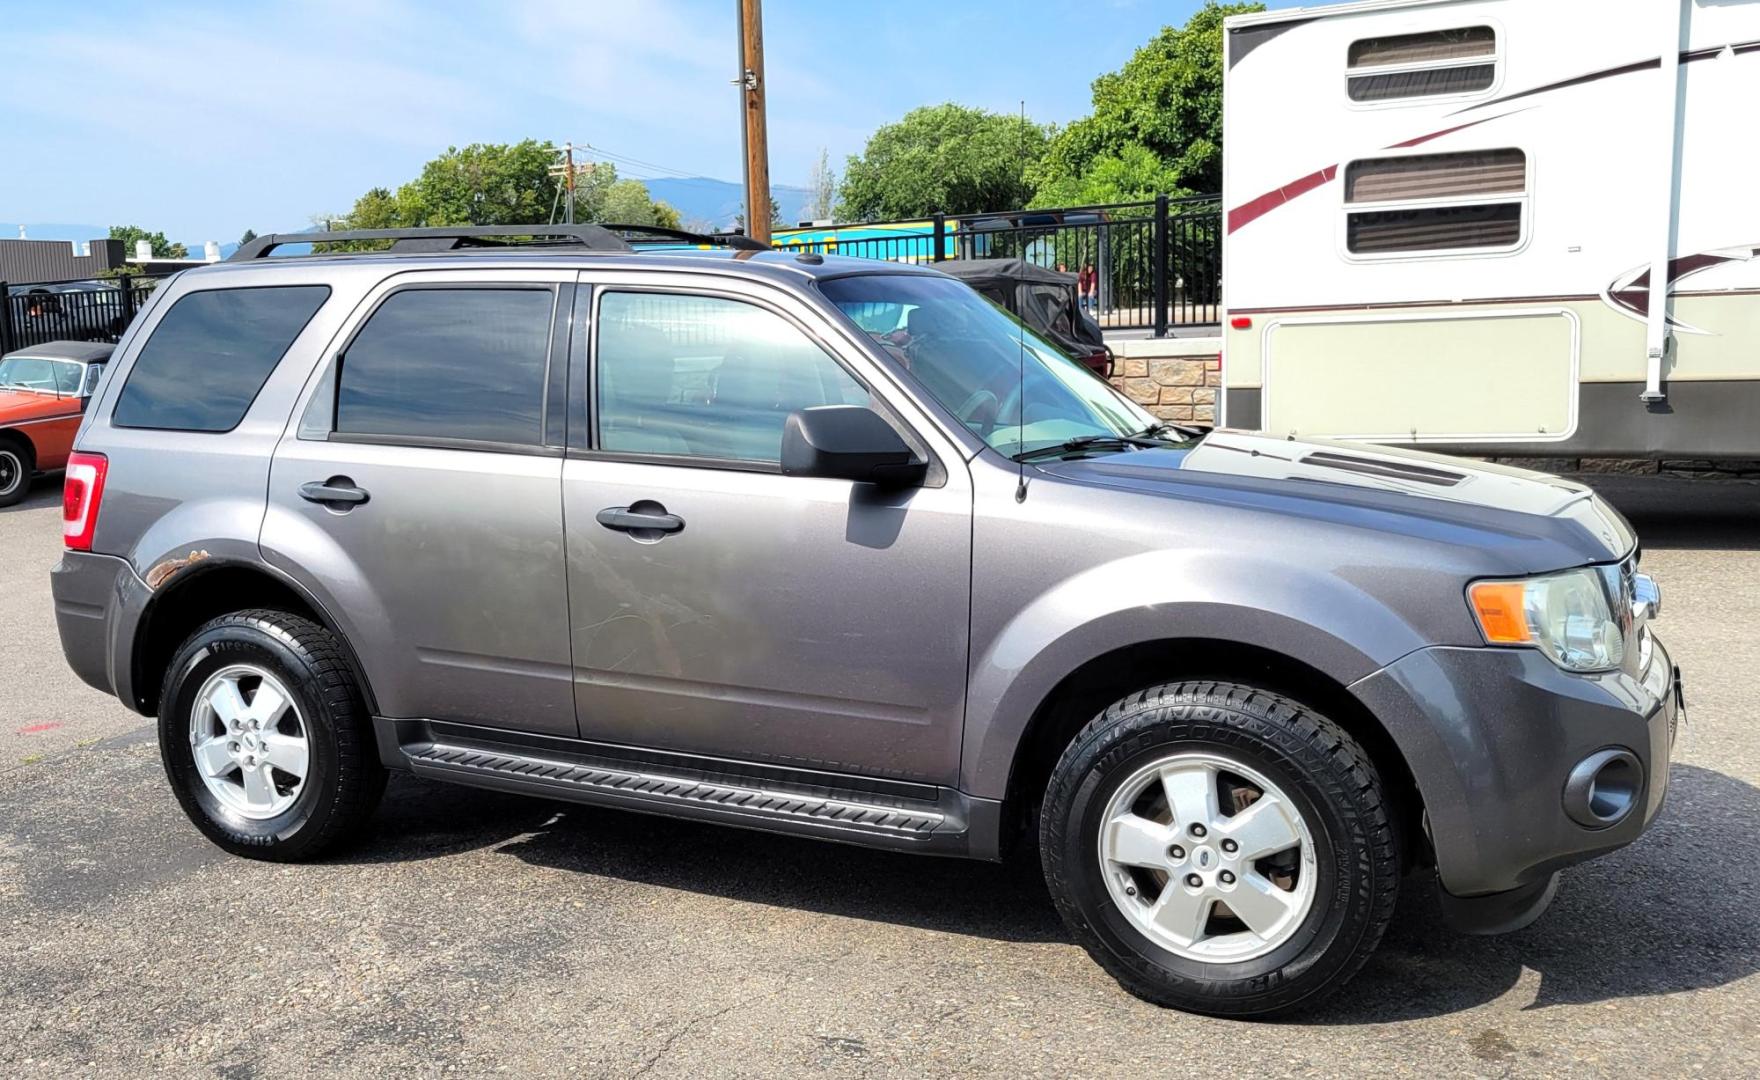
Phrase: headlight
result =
(1566, 616)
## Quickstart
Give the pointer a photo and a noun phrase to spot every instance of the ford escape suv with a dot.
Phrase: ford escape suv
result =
(836, 548)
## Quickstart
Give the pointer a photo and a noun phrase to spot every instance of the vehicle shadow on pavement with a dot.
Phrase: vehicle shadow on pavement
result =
(1670, 512)
(1671, 912)
(45, 491)
(420, 819)
(1666, 914)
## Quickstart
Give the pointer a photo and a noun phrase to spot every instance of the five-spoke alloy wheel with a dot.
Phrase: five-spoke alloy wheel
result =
(249, 742)
(1220, 848)
(1207, 883)
(266, 738)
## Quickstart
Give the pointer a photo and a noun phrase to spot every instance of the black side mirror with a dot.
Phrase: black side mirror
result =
(848, 442)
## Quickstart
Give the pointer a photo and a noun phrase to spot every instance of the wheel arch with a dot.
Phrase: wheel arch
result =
(1103, 679)
(204, 590)
(21, 438)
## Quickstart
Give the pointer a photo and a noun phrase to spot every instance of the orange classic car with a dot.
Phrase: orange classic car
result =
(44, 390)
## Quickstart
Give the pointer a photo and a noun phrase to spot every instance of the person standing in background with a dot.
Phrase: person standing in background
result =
(1086, 283)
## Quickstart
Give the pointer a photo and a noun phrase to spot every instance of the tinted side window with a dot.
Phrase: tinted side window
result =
(704, 377)
(210, 355)
(450, 364)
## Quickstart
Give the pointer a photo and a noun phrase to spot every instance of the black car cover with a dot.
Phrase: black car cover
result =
(1045, 300)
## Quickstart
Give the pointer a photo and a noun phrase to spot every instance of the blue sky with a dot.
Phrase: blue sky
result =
(204, 118)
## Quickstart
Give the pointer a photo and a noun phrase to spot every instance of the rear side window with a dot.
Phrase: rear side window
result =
(210, 354)
(450, 364)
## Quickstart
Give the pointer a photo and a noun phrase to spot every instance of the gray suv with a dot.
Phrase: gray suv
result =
(837, 548)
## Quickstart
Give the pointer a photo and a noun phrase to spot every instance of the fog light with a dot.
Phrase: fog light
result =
(1603, 788)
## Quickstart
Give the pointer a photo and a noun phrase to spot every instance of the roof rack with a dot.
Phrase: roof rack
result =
(444, 238)
(456, 237)
(737, 241)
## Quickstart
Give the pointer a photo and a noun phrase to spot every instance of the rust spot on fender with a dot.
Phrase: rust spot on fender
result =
(165, 568)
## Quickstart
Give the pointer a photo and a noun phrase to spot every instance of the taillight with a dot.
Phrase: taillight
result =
(80, 496)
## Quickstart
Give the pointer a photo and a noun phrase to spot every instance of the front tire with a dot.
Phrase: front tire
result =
(1220, 849)
(265, 737)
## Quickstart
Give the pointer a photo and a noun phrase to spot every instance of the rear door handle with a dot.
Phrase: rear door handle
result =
(626, 519)
(336, 491)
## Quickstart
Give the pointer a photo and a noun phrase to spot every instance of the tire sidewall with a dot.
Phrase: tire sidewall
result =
(1342, 902)
(20, 463)
(207, 652)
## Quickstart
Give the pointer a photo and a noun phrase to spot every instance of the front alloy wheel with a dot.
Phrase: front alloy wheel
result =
(1220, 848)
(1205, 882)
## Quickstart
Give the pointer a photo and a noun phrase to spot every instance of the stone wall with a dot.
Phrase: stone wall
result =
(1177, 379)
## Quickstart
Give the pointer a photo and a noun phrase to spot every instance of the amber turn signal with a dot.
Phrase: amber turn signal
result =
(1498, 604)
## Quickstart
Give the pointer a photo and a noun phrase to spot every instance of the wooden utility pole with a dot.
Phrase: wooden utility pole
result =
(757, 146)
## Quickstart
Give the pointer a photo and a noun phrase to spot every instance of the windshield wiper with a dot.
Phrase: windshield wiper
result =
(1087, 442)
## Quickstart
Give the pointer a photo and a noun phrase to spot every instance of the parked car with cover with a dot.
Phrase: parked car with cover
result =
(674, 532)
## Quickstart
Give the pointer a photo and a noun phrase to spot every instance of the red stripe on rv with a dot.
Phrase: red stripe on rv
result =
(1271, 200)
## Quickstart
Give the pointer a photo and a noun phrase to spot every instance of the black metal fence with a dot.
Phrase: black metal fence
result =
(98, 309)
(1146, 266)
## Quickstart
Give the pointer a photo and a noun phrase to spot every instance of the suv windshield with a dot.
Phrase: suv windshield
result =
(1016, 390)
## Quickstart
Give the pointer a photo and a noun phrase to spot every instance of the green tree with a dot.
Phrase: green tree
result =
(776, 222)
(946, 158)
(1167, 100)
(627, 202)
(1133, 173)
(249, 235)
(821, 201)
(501, 184)
(162, 248)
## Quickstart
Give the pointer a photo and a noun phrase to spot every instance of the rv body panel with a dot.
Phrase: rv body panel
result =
(1402, 268)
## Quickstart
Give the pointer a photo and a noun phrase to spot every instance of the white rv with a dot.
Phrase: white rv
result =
(1522, 227)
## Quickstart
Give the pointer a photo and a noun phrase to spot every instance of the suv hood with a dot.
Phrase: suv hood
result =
(1537, 522)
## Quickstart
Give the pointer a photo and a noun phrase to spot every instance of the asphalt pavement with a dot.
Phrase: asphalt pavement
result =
(476, 934)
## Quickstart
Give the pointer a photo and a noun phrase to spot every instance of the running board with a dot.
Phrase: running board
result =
(857, 810)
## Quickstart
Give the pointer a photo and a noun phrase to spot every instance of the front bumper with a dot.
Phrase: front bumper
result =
(1491, 737)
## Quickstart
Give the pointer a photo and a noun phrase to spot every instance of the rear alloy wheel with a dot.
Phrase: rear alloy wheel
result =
(15, 473)
(266, 738)
(248, 741)
(1220, 849)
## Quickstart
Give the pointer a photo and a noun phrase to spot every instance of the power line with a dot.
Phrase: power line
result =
(637, 163)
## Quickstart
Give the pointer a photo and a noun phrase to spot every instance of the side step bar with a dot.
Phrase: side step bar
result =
(859, 810)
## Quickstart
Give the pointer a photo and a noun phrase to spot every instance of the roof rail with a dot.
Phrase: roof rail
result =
(737, 241)
(447, 238)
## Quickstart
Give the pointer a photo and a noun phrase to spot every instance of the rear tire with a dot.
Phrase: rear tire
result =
(266, 739)
(16, 468)
(1182, 803)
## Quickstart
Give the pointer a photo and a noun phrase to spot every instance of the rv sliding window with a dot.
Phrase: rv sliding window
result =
(1469, 202)
(1431, 64)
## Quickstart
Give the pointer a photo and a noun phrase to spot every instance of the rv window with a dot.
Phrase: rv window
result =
(1438, 228)
(1436, 176)
(1470, 201)
(1431, 64)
